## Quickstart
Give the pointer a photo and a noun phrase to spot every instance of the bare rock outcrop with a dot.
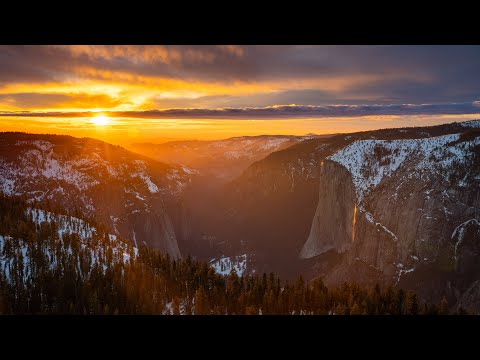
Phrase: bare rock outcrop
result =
(470, 299)
(333, 225)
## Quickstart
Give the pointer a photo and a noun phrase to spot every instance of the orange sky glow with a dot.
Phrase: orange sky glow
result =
(379, 86)
(129, 130)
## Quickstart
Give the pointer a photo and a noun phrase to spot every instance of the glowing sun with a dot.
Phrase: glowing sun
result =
(100, 120)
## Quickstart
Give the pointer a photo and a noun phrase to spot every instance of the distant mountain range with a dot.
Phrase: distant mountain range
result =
(223, 159)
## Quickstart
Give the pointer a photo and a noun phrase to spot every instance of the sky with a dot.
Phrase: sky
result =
(157, 93)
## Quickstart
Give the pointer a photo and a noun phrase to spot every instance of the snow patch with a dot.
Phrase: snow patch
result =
(403, 272)
(370, 161)
(471, 124)
(7, 185)
(226, 264)
(459, 233)
(372, 220)
(189, 171)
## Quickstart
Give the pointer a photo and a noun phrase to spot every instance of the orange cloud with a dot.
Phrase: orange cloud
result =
(92, 88)
(101, 85)
(151, 54)
(235, 50)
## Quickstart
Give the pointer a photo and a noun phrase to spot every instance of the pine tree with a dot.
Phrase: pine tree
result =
(462, 311)
(3, 302)
(299, 293)
(443, 306)
(188, 308)
(201, 302)
(340, 310)
(432, 310)
(411, 303)
(176, 306)
(355, 310)
(397, 303)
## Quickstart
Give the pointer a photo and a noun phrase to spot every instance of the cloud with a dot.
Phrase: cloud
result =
(40, 100)
(247, 76)
(278, 112)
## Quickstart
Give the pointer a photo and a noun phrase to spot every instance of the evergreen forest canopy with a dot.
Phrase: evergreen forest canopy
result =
(47, 270)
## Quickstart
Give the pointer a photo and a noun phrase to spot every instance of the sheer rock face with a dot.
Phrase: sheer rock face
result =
(405, 190)
(402, 211)
(160, 232)
(334, 221)
(341, 225)
(470, 300)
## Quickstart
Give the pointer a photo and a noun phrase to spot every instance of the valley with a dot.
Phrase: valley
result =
(395, 207)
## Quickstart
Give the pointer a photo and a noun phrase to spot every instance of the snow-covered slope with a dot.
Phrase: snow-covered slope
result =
(65, 225)
(250, 147)
(416, 209)
(471, 124)
(81, 164)
(226, 264)
(126, 191)
(369, 161)
(412, 187)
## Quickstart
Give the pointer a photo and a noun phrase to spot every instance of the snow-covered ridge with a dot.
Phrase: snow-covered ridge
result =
(38, 163)
(248, 148)
(370, 161)
(84, 175)
(471, 124)
(42, 161)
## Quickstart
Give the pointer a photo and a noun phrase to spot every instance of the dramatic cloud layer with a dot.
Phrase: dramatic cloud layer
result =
(128, 78)
(275, 112)
(204, 91)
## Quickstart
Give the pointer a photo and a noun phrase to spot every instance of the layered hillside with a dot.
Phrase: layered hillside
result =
(397, 207)
(223, 159)
(381, 206)
(138, 198)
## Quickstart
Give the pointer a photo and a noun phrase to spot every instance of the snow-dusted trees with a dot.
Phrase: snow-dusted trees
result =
(92, 273)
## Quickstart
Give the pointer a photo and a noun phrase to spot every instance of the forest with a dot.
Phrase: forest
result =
(47, 269)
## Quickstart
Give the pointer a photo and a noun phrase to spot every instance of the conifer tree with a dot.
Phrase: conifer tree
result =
(201, 302)
(411, 303)
(340, 310)
(176, 306)
(462, 311)
(443, 306)
(355, 310)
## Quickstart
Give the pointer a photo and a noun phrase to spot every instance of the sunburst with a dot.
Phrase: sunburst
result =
(100, 120)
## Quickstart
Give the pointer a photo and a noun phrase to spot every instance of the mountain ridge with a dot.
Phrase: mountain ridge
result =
(287, 208)
(129, 192)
